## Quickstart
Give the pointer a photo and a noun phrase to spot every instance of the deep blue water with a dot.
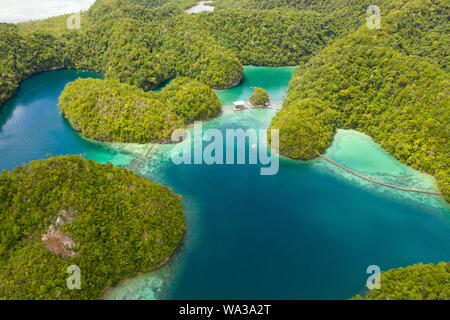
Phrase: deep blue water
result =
(31, 126)
(301, 234)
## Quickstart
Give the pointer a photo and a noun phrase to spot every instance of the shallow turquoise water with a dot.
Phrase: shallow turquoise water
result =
(308, 232)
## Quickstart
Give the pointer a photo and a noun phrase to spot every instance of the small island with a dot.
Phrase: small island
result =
(259, 98)
(107, 110)
(68, 211)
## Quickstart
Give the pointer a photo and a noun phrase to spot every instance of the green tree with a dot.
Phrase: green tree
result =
(260, 97)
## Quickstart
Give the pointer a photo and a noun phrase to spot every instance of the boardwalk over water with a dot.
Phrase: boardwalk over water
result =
(274, 107)
(375, 181)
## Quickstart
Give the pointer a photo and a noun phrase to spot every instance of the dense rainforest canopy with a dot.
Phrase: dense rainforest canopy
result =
(418, 282)
(65, 211)
(380, 82)
(112, 111)
(391, 83)
(146, 42)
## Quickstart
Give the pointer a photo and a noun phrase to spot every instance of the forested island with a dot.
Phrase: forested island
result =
(66, 210)
(391, 84)
(147, 42)
(112, 111)
(260, 97)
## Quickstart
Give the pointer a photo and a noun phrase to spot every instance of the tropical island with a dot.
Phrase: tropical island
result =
(106, 220)
(107, 110)
(259, 98)
(391, 84)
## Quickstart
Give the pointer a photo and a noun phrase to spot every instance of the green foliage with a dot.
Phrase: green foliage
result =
(306, 127)
(259, 97)
(138, 42)
(119, 222)
(23, 56)
(375, 84)
(332, 18)
(418, 282)
(191, 100)
(147, 42)
(112, 111)
(362, 77)
(269, 38)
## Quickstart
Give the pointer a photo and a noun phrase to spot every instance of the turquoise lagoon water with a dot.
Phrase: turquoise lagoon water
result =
(308, 232)
(31, 126)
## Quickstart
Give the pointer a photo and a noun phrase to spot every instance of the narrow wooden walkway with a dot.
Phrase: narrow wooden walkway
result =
(374, 181)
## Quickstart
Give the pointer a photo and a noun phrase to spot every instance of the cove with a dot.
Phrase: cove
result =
(31, 126)
(309, 232)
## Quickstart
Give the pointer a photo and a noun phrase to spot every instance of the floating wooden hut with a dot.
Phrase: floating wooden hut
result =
(239, 105)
